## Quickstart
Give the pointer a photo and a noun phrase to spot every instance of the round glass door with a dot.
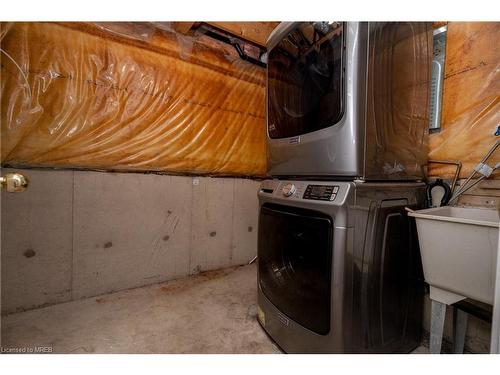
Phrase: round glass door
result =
(295, 263)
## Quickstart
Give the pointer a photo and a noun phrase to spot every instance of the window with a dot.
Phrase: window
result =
(436, 94)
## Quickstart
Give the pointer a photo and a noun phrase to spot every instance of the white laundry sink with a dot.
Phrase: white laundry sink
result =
(459, 251)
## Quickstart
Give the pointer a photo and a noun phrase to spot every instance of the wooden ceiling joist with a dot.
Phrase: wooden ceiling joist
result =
(182, 27)
(254, 32)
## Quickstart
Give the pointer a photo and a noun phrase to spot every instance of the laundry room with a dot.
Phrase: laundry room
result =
(250, 187)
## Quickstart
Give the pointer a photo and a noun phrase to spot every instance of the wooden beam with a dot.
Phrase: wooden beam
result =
(255, 32)
(438, 24)
(182, 27)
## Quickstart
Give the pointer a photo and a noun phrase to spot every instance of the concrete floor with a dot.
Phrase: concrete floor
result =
(214, 312)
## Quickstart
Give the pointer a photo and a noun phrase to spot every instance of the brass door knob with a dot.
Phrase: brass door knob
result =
(14, 182)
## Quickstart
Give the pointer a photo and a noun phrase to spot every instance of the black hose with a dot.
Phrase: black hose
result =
(237, 47)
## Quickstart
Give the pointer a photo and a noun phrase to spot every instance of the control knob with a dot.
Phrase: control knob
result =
(288, 190)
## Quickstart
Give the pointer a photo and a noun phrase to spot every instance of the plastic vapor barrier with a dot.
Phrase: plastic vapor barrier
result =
(128, 97)
(471, 98)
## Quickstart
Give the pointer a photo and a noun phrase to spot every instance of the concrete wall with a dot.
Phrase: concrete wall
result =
(76, 234)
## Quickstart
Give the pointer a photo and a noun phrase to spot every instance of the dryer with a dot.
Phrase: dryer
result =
(339, 269)
(348, 100)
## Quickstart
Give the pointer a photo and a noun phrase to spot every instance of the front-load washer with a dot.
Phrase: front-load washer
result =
(348, 100)
(339, 267)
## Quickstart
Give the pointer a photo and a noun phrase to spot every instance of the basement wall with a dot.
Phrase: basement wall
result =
(471, 98)
(132, 97)
(76, 234)
(124, 97)
(129, 97)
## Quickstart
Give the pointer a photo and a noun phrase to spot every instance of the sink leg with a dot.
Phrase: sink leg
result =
(459, 329)
(438, 313)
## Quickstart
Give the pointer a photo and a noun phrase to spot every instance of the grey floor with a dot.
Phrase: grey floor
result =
(214, 312)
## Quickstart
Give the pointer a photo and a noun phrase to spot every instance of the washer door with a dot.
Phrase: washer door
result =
(295, 263)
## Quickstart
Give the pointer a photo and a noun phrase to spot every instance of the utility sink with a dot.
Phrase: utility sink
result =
(459, 248)
(459, 252)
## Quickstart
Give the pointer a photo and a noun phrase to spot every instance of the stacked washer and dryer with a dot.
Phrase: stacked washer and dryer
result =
(339, 268)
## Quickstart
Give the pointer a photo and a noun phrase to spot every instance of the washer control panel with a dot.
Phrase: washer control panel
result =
(314, 192)
(321, 192)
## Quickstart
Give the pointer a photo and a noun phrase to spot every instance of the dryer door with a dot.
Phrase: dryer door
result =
(305, 80)
(295, 263)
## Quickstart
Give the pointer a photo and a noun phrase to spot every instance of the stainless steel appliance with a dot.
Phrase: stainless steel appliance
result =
(349, 99)
(339, 268)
